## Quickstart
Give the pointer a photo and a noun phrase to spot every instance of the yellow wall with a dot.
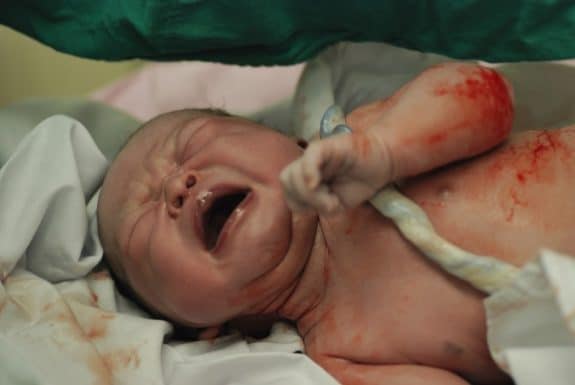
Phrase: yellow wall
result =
(29, 69)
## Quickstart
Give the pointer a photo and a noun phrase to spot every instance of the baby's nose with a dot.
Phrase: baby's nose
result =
(176, 191)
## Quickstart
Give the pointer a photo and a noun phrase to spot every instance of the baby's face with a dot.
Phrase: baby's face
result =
(193, 213)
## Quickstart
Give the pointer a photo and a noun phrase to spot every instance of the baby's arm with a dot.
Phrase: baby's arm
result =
(348, 373)
(448, 112)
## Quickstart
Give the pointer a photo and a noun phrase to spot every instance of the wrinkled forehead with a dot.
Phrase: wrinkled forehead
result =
(148, 139)
(161, 136)
(153, 148)
(153, 135)
(150, 146)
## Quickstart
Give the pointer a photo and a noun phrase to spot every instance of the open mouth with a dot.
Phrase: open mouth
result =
(216, 217)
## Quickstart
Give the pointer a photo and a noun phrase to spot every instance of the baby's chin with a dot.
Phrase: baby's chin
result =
(250, 282)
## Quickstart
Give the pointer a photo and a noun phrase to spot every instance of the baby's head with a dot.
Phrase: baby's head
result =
(193, 219)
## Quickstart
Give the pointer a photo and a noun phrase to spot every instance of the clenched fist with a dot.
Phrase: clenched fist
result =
(337, 172)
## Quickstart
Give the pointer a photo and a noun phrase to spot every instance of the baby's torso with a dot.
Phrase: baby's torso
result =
(507, 203)
(386, 304)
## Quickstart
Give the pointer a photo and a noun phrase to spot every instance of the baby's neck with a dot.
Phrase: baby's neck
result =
(310, 289)
(349, 248)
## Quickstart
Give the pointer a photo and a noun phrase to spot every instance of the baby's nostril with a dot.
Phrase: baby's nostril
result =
(179, 201)
(190, 181)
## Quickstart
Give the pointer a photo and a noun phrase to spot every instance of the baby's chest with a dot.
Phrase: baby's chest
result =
(404, 326)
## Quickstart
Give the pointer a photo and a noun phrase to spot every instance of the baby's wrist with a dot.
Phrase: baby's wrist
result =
(380, 164)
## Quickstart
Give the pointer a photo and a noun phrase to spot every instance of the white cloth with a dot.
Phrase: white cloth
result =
(44, 188)
(531, 323)
(61, 323)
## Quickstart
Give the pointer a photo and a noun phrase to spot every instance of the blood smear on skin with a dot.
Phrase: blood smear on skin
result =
(488, 89)
(529, 161)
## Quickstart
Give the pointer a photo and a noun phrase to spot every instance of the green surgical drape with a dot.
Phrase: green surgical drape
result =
(265, 32)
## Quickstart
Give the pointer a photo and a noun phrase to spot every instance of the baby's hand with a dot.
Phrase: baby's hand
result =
(341, 171)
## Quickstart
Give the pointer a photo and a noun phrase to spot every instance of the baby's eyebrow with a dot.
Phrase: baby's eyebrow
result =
(198, 128)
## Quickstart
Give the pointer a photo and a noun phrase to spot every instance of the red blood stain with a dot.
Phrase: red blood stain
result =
(94, 298)
(96, 331)
(122, 359)
(490, 95)
(532, 157)
(516, 201)
(100, 275)
(100, 370)
(530, 161)
(437, 137)
(99, 326)
(521, 177)
(67, 318)
(47, 307)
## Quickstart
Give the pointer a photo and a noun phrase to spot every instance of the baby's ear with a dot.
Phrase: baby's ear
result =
(210, 333)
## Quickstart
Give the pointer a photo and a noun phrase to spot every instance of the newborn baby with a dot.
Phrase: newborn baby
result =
(194, 218)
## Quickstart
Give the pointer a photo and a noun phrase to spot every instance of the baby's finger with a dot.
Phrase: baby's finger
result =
(325, 159)
(300, 197)
(294, 187)
(324, 201)
(320, 200)
(310, 164)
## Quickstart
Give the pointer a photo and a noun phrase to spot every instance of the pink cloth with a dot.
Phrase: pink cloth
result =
(163, 87)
